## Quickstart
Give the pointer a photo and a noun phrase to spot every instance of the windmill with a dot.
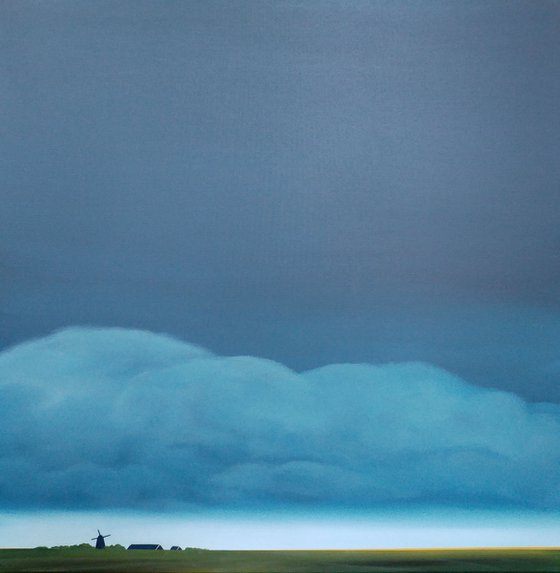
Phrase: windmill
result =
(100, 540)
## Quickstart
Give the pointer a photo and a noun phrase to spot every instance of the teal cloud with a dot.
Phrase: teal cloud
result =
(110, 418)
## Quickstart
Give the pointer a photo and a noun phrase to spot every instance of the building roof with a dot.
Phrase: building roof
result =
(175, 548)
(149, 546)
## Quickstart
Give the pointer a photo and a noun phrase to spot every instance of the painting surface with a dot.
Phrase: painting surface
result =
(280, 274)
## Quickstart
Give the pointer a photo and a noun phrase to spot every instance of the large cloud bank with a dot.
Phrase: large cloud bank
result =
(125, 418)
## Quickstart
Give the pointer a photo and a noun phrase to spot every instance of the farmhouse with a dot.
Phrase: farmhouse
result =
(146, 546)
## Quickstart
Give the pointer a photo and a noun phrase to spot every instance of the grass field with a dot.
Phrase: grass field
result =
(437, 560)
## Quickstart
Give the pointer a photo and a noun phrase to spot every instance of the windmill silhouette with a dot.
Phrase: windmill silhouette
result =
(100, 540)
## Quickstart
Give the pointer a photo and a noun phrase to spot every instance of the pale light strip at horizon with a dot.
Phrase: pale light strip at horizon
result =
(27, 529)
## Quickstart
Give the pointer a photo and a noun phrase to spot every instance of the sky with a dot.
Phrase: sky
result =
(278, 256)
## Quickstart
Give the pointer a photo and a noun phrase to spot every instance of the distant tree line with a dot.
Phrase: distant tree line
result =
(117, 547)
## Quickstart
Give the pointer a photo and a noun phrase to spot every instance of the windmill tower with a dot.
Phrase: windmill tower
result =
(100, 540)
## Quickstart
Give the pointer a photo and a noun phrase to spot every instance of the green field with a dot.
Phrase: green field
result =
(120, 561)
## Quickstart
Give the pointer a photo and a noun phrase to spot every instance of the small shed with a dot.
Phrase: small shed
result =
(146, 546)
(175, 548)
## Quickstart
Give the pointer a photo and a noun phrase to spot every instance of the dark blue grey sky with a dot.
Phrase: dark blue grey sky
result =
(311, 182)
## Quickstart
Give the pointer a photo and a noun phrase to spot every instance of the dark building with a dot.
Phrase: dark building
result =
(175, 548)
(146, 546)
